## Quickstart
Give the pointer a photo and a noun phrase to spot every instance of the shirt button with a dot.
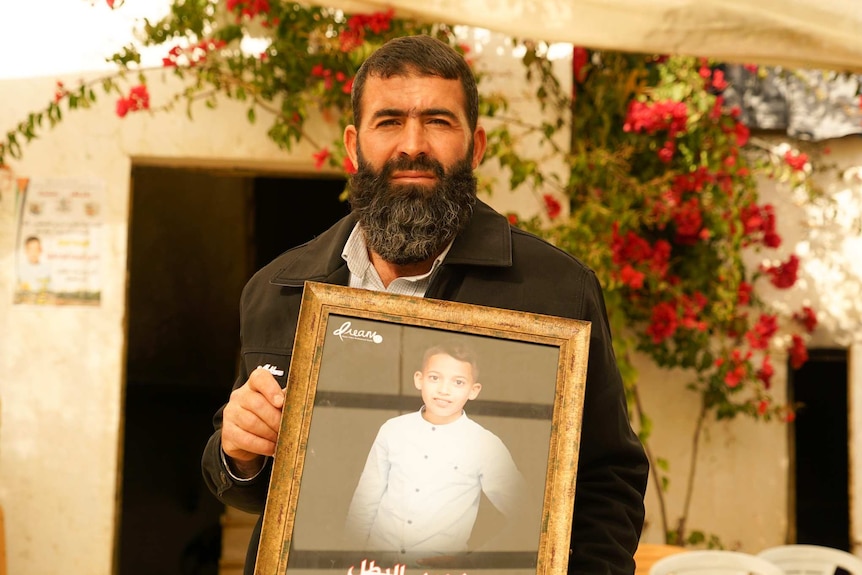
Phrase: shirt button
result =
(409, 522)
(426, 457)
(433, 429)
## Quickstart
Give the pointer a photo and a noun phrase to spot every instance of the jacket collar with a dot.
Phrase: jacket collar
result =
(486, 241)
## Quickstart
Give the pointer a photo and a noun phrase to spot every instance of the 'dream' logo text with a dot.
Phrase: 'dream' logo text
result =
(367, 568)
(345, 331)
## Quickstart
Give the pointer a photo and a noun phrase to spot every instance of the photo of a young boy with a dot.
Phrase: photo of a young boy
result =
(426, 472)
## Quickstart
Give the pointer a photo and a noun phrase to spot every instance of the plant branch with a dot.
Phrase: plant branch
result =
(662, 505)
(689, 488)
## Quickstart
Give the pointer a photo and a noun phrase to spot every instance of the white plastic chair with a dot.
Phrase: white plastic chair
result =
(812, 559)
(714, 562)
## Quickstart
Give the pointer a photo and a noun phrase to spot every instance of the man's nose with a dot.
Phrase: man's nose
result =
(413, 139)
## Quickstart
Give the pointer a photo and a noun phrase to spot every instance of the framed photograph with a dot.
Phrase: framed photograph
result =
(425, 437)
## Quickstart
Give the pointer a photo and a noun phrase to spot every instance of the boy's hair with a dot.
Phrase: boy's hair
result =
(421, 55)
(32, 239)
(457, 349)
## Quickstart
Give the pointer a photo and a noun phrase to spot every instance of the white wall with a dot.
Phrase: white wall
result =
(61, 391)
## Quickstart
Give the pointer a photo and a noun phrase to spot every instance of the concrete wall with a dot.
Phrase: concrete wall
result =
(62, 388)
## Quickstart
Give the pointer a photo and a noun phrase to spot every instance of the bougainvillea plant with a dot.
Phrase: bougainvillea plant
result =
(663, 190)
(659, 195)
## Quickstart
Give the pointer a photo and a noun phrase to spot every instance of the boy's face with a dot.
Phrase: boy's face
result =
(33, 250)
(446, 384)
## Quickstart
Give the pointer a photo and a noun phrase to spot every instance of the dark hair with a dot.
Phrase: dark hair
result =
(421, 55)
(459, 350)
(32, 239)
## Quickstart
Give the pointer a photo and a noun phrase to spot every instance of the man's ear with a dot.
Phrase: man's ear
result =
(474, 391)
(480, 142)
(351, 139)
(417, 380)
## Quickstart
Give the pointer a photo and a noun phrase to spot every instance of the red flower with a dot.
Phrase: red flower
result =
(512, 217)
(807, 317)
(122, 107)
(795, 161)
(688, 220)
(692, 306)
(138, 99)
(663, 323)
(766, 372)
(798, 353)
(762, 406)
(742, 134)
(351, 39)
(552, 205)
(739, 370)
(658, 262)
(783, 275)
(630, 248)
(735, 376)
(759, 223)
(250, 8)
(348, 166)
(59, 92)
(631, 277)
(110, 4)
(653, 117)
(743, 296)
(665, 154)
(718, 81)
(580, 58)
(758, 337)
(320, 157)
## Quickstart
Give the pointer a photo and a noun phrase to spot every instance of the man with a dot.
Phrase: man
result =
(416, 228)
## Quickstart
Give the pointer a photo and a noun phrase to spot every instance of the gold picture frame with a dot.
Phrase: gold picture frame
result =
(354, 361)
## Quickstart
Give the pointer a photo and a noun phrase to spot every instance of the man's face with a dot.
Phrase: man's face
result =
(414, 188)
(446, 384)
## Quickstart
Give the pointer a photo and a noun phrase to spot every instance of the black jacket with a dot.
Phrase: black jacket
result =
(492, 264)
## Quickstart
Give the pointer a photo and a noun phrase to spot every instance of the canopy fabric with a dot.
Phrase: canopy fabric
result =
(814, 34)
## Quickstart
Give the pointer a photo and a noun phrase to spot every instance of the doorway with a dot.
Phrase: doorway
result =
(195, 238)
(820, 443)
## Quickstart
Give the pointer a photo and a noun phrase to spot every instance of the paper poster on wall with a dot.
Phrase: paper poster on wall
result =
(59, 243)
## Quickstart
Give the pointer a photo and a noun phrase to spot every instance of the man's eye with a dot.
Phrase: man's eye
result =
(387, 123)
(439, 121)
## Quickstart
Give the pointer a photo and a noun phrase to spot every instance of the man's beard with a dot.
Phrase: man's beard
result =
(410, 223)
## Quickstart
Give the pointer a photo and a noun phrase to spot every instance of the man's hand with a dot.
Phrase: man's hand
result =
(251, 420)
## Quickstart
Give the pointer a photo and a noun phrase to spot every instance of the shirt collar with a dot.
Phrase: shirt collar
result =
(363, 274)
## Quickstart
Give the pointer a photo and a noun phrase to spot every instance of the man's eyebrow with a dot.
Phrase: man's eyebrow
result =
(399, 113)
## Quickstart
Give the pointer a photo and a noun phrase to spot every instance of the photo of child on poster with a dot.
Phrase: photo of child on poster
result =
(58, 260)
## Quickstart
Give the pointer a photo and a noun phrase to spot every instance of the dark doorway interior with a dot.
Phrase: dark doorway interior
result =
(194, 240)
(821, 450)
